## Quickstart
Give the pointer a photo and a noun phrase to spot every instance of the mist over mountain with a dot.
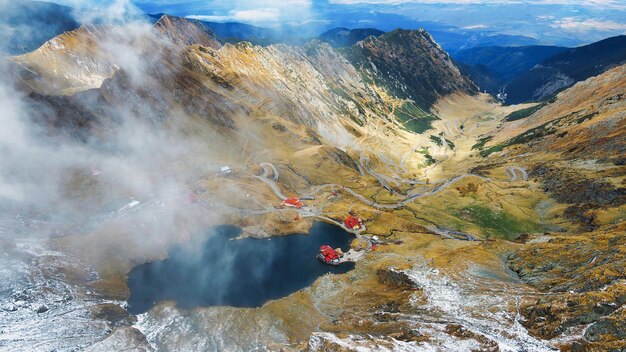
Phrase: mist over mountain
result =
(26, 25)
(314, 176)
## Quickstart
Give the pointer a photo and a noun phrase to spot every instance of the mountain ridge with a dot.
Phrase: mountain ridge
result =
(388, 60)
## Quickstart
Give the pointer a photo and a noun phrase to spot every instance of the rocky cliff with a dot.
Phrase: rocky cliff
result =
(410, 64)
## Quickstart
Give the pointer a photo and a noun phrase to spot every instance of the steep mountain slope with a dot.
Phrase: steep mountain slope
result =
(589, 111)
(84, 58)
(26, 25)
(233, 32)
(574, 148)
(410, 65)
(492, 67)
(70, 62)
(186, 32)
(340, 37)
(563, 70)
(584, 130)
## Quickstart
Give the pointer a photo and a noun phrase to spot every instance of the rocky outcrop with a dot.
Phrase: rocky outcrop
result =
(409, 64)
(395, 278)
(70, 62)
(84, 58)
(183, 32)
(585, 275)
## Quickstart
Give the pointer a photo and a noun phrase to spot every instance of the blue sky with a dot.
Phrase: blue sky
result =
(564, 22)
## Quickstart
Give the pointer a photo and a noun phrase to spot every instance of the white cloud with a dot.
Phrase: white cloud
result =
(266, 15)
(613, 3)
(103, 11)
(476, 26)
(584, 25)
(269, 12)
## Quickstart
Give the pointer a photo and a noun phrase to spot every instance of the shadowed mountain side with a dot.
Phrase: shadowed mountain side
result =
(566, 68)
(410, 65)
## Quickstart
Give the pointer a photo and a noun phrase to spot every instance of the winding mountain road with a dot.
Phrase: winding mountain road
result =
(451, 234)
(512, 172)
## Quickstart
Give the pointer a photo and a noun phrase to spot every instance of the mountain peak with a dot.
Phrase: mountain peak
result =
(411, 65)
(184, 31)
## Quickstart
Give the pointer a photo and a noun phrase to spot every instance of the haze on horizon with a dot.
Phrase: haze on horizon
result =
(550, 22)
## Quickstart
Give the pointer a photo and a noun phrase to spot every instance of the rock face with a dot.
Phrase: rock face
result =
(410, 65)
(70, 62)
(186, 32)
(585, 274)
(83, 58)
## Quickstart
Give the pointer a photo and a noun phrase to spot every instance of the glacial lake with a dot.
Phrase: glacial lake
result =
(223, 271)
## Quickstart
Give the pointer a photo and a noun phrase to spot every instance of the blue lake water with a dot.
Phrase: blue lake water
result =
(222, 271)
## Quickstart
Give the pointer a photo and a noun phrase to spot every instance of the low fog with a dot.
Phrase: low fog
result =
(75, 162)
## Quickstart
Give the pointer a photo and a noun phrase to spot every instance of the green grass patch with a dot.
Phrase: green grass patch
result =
(495, 224)
(523, 113)
(436, 140)
(480, 144)
(429, 159)
(495, 148)
(413, 118)
(586, 117)
(450, 144)
(546, 129)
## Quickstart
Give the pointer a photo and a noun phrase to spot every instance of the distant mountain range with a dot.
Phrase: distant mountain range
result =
(233, 32)
(342, 37)
(452, 39)
(534, 73)
(491, 67)
(494, 61)
(33, 22)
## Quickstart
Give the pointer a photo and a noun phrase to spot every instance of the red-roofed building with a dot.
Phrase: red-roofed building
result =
(292, 202)
(352, 222)
(328, 253)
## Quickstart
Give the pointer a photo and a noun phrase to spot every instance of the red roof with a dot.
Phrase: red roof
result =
(293, 202)
(352, 222)
(328, 253)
